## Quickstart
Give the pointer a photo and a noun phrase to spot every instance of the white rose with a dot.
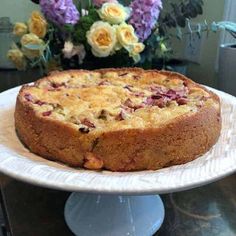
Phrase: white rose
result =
(102, 38)
(114, 13)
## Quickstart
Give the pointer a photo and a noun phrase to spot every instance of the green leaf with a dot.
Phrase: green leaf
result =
(226, 25)
(170, 68)
(179, 33)
(84, 25)
(35, 47)
(69, 28)
(181, 20)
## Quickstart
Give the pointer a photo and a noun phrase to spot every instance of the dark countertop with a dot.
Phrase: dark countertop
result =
(31, 210)
(12, 78)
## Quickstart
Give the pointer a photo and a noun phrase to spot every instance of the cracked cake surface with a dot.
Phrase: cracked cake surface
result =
(118, 119)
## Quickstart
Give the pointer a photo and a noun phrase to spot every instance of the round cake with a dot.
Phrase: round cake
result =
(118, 119)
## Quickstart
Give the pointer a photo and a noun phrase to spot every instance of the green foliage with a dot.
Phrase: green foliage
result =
(68, 28)
(204, 27)
(84, 25)
(125, 2)
(36, 47)
(156, 48)
(185, 9)
(225, 25)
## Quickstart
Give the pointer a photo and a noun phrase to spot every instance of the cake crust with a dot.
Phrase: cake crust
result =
(181, 140)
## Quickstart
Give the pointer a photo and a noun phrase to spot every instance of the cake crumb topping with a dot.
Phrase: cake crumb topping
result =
(114, 100)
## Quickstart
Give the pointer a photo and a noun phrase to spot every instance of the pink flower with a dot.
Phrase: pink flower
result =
(99, 3)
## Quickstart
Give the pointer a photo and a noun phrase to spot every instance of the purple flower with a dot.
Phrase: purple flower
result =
(144, 16)
(60, 12)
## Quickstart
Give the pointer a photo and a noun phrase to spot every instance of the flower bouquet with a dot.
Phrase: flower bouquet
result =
(100, 33)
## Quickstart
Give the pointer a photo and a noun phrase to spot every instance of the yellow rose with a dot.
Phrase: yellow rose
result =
(20, 29)
(128, 39)
(37, 24)
(17, 57)
(135, 50)
(102, 39)
(32, 46)
(126, 35)
(114, 13)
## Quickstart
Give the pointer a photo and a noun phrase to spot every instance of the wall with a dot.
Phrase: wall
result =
(17, 10)
(205, 72)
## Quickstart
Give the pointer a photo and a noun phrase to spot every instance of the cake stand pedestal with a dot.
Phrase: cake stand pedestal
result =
(106, 215)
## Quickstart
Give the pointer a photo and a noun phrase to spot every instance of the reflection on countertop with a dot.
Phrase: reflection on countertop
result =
(208, 210)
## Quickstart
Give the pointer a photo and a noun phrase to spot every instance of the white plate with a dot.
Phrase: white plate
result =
(16, 161)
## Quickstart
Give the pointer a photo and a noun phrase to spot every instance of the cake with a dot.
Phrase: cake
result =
(125, 119)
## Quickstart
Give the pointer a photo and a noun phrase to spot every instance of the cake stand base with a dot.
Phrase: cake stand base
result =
(110, 215)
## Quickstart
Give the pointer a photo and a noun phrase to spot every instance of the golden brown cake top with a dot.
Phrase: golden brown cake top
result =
(95, 101)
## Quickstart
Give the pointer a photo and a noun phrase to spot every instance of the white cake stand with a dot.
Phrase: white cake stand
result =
(106, 203)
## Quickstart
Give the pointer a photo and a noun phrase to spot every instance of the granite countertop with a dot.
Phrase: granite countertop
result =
(30, 210)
